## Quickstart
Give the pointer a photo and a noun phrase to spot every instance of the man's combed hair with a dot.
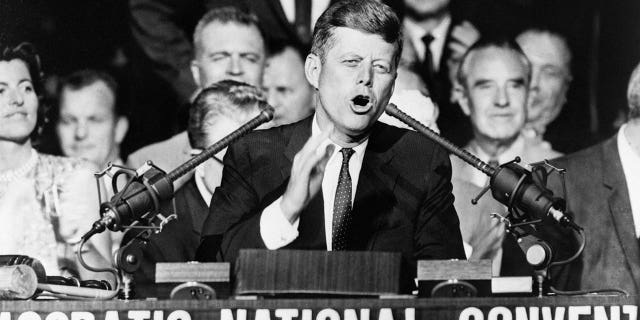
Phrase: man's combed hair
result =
(499, 42)
(368, 16)
(224, 15)
(225, 99)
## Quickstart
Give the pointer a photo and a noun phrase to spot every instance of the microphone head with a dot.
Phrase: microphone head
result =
(266, 110)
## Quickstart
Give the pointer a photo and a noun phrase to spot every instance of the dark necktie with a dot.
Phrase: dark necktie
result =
(428, 69)
(342, 204)
(303, 20)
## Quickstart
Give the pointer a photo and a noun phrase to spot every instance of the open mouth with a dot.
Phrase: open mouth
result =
(361, 103)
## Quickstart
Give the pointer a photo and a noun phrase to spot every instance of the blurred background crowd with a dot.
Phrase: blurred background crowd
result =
(146, 46)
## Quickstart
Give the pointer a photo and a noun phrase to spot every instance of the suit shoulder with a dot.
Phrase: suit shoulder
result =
(585, 156)
(268, 137)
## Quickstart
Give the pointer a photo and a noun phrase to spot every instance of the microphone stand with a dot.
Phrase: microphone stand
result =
(528, 202)
(138, 203)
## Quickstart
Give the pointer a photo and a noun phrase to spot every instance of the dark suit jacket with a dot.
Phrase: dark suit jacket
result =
(598, 197)
(403, 200)
(178, 240)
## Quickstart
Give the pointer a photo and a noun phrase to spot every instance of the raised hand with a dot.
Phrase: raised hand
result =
(306, 175)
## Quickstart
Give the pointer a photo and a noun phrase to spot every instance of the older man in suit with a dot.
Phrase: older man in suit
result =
(340, 180)
(493, 86)
(603, 193)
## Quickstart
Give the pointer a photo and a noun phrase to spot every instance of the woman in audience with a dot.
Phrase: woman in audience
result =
(46, 202)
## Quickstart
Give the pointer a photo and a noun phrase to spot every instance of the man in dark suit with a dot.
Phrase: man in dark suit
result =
(217, 111)
(603, 193)
(436, 40)
(355, 184)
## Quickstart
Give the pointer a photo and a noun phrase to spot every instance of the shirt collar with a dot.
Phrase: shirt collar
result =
(416, 32)
(358, 150)
(202, 188)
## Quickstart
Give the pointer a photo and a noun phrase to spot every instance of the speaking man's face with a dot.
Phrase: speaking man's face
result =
(355, 81)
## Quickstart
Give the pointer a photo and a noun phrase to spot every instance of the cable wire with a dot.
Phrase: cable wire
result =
(113, 271)
(576, 255)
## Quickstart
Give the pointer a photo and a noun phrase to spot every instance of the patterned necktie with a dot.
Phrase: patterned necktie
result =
(342, 204)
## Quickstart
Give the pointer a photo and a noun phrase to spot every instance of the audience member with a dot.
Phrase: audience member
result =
(46, 202)
(493, 82)
(228, 45)
(550, 59)
(217, 111)
(288, 92)
(435, 41)
(278, 185)
(90, 124)
(603, 193)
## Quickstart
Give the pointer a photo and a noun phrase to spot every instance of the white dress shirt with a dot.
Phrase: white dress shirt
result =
(201, 186)
(631, 167)
(415, 33)
(317, 8)
(276, 230)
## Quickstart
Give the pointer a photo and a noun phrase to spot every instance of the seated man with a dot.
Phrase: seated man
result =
(603, 193)
(493, 82)
(216, 112)
(340, 180)
(288, 92)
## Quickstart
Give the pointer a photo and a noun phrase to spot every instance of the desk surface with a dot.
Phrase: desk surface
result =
(547, 308)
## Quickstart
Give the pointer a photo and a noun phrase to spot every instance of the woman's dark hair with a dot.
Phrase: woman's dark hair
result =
(26, 53)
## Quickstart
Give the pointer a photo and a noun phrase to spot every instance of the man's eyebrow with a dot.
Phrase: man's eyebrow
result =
(480, 82)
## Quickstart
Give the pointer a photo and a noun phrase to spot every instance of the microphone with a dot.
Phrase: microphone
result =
(511, 184)
(152, 185)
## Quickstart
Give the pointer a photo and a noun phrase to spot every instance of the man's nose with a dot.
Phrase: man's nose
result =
(502, 98)
(535, 80)
(365, 74)
(235, 67)
(80, 131)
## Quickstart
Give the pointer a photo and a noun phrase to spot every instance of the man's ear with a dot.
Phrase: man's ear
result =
(122, 126)
(312, 68)
(195, 72)
(460, 95)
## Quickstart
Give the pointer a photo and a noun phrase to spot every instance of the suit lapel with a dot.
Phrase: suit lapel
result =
(619, 206)
(374, 194)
